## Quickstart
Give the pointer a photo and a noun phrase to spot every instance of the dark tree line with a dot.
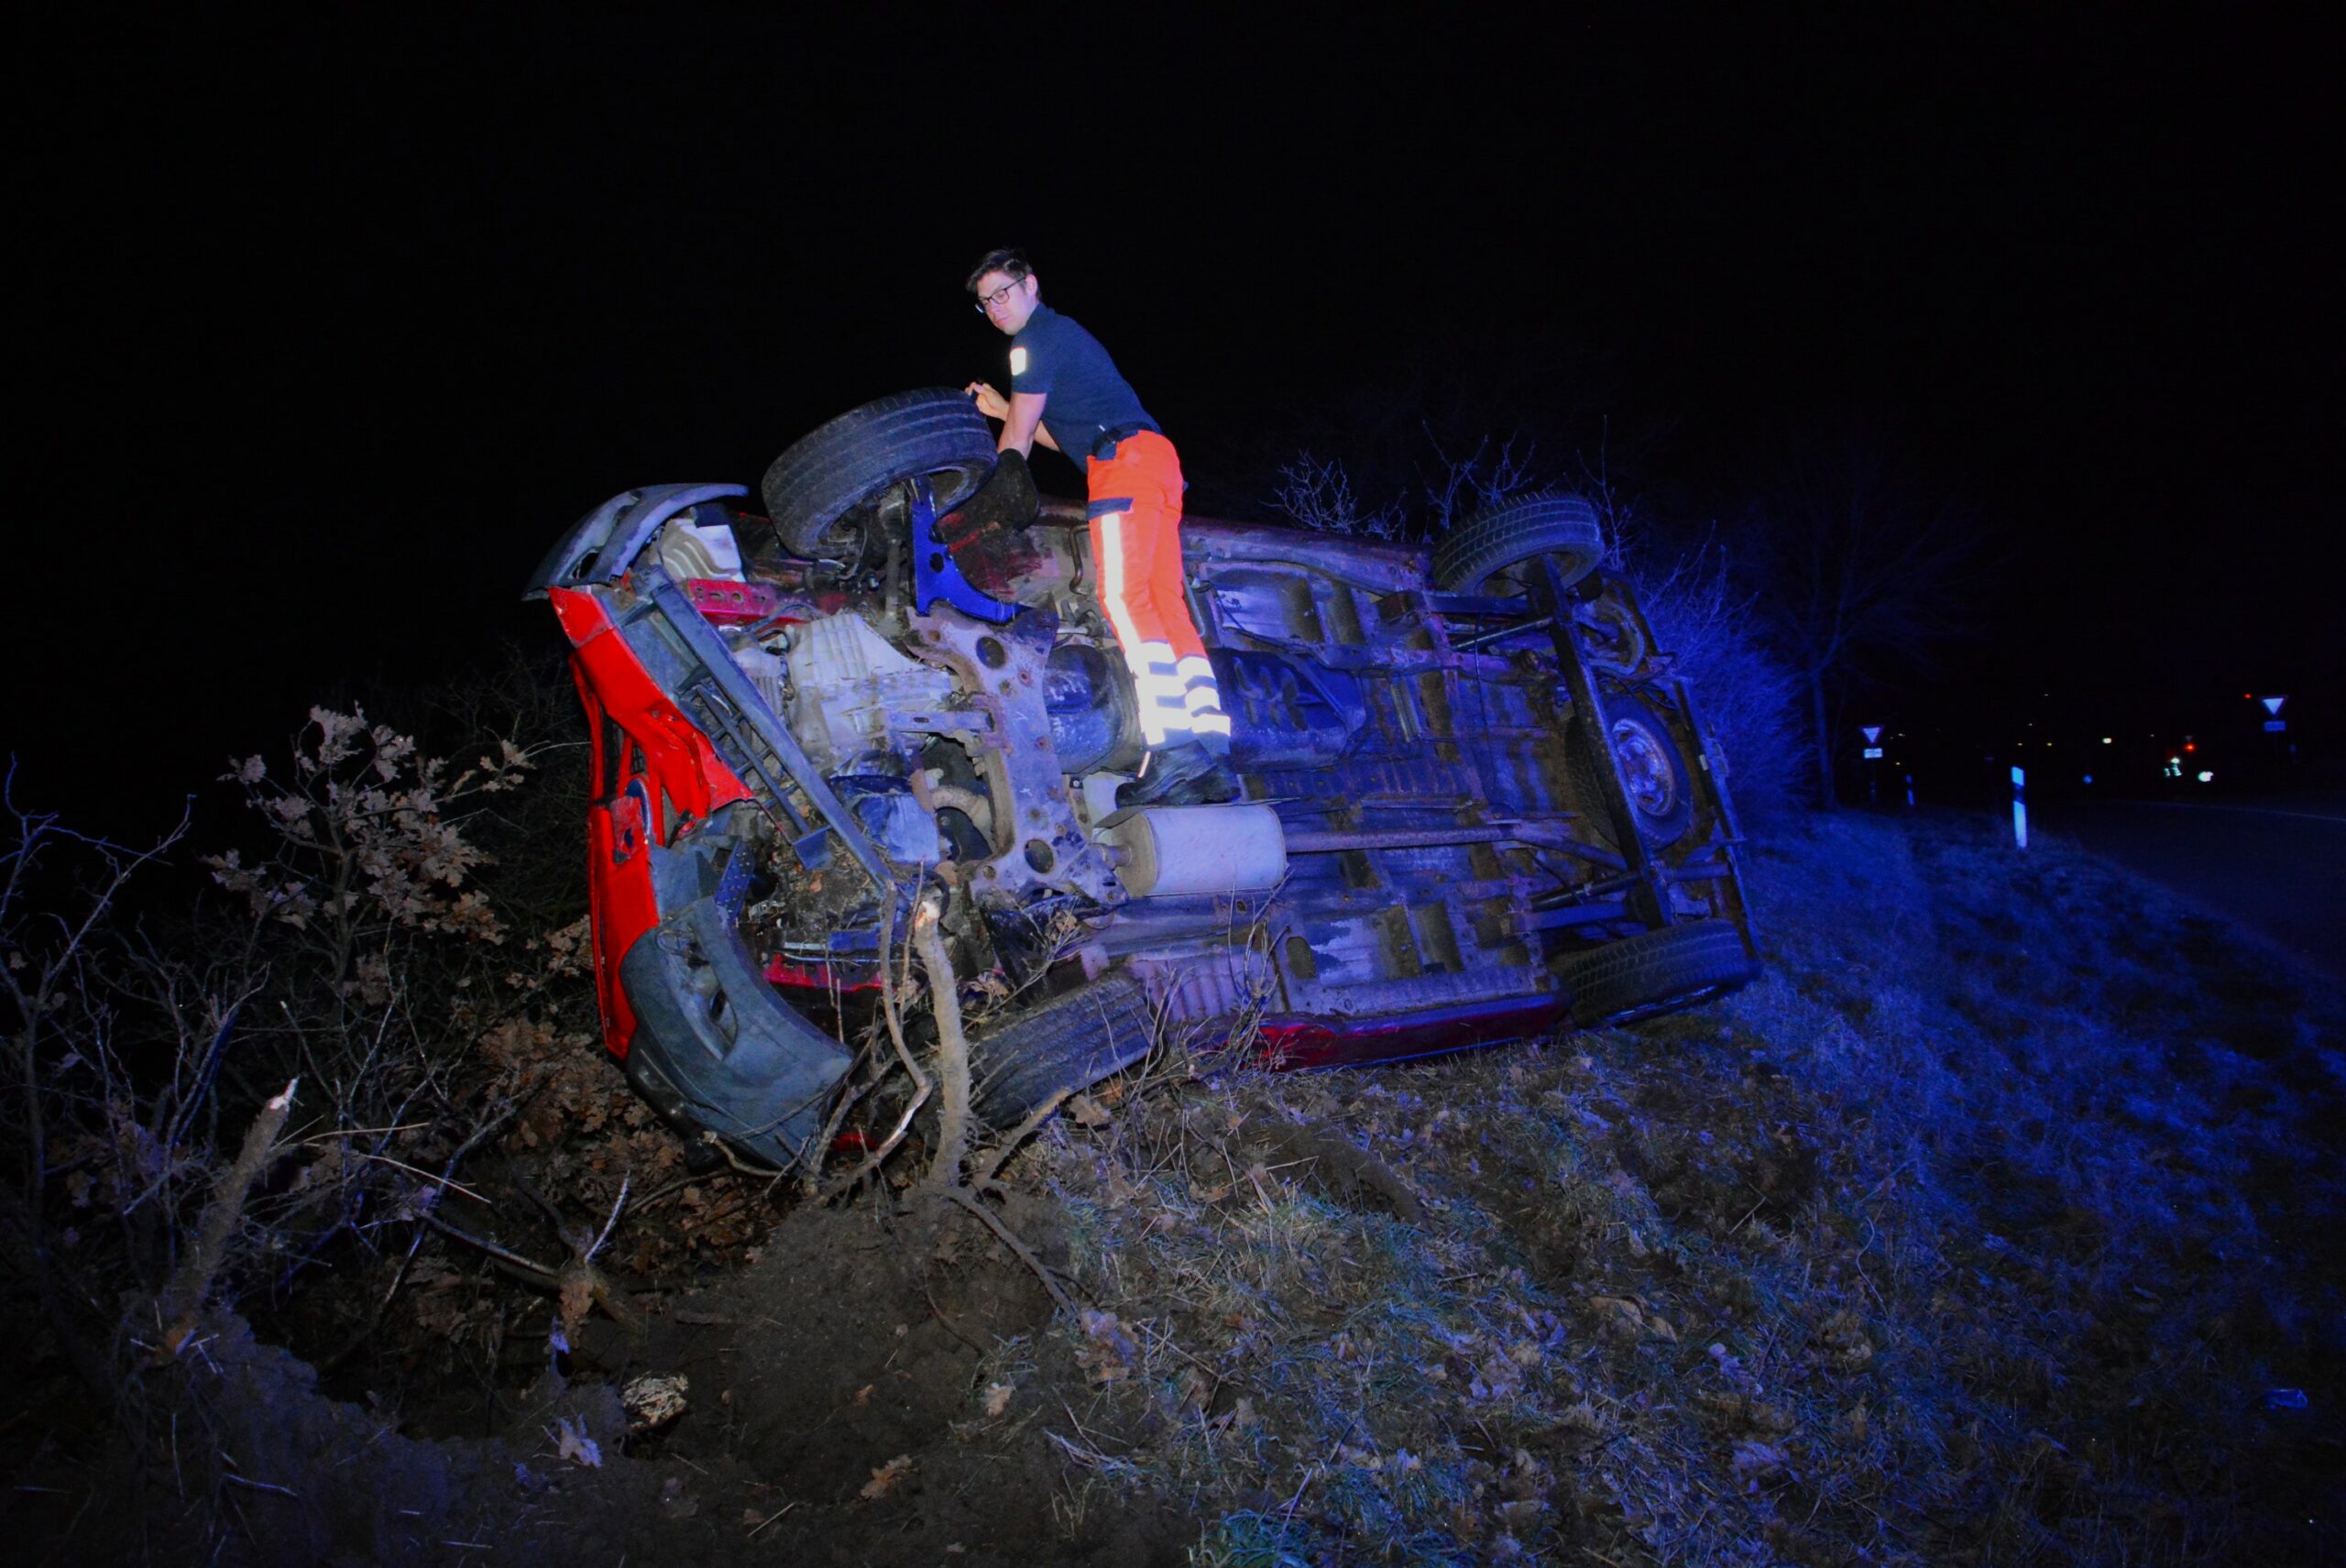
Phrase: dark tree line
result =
(1828, 568)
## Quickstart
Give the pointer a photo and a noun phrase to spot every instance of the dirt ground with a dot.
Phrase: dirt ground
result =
(851, 1397)
(1996, 1224)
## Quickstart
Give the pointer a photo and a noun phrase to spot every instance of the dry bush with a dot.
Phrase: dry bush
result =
(1318, 494)
(1748, 695)
(1691, 591)
(337, 1005)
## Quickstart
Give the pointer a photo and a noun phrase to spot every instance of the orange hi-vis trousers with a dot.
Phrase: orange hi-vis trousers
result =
(1136, 555)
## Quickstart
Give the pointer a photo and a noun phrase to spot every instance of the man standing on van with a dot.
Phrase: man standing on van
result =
(1066, 392)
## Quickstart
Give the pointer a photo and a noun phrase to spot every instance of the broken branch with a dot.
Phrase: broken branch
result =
(192, 1280)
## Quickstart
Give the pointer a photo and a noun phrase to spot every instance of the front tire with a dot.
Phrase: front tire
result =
(1069, 1042)
(935, 433)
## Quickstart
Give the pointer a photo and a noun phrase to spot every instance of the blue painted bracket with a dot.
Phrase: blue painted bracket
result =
(934, 575)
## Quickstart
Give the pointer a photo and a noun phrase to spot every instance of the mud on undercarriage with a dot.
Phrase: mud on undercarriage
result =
(1478, 800)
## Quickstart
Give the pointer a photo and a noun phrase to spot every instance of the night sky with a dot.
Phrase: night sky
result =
(331, 327)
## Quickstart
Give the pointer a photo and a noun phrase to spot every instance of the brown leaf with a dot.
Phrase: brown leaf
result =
(1622, 1318)
(575, 1297)
(887, 1478)
(1193, 1388)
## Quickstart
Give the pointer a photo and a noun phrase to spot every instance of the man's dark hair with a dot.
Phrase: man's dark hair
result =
(1009, 262)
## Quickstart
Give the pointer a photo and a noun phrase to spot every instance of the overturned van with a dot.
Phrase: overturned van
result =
(1479, 803)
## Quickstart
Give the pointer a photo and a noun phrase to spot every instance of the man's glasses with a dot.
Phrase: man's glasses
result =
(988, 302)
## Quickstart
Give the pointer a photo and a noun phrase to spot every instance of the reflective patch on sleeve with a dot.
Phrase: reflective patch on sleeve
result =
(1018, 362)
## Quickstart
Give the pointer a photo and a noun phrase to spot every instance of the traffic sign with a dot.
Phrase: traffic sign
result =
(1872, 732)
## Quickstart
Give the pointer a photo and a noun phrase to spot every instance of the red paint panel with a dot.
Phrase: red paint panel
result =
(677, 758)
(728, 603)
(677, 764)
(1303, 1040)
(619, 894)
(823, 977)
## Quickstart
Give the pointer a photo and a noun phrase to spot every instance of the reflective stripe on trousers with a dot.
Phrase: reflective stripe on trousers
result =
(1136, 551)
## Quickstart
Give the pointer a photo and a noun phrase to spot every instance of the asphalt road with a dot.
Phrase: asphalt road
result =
(2277, 866)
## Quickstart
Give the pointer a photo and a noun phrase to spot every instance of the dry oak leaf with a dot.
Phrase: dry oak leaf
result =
(1621, 1317)
(887, 1478)
(997, 1399)
(652, 1401)
(576, 1296)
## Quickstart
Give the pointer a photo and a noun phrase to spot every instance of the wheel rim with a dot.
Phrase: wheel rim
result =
(1646, 771)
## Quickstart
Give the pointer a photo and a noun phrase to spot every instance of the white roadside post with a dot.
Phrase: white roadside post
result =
(2020, 807)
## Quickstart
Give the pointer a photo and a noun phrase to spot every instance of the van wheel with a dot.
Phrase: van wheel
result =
(1654, 774)
(1657, 971)
(935, 433)
(1483, 548)
(1070, 1042)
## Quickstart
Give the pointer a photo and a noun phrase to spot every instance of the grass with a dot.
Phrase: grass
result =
(1994, 1225)
(1981, 1229)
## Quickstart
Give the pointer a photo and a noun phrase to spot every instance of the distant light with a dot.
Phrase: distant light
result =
(2175, 762)
(2205, 775)
(2105, 740)
(2088, 778)
(2191, 745)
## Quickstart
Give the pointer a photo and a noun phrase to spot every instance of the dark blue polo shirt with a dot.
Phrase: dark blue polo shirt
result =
(1089, 398)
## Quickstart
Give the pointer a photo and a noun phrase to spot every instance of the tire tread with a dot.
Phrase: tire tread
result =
(1551, 522)
(1658, 971)
(828, 471)
(1071, 1042)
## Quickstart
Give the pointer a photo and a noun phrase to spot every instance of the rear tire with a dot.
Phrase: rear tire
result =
(1657, 971)
(935, 433)
(1655, 771)
(1554, 523)
(1070, 1042)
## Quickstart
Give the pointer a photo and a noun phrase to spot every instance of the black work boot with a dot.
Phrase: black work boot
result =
(1193, 773)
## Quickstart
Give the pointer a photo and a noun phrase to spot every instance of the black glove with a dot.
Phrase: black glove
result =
(1008, 498)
